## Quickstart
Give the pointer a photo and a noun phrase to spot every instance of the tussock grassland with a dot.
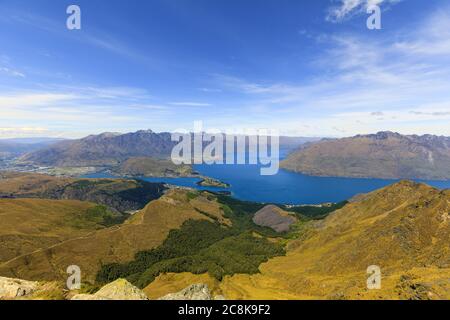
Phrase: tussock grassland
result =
(404, 229)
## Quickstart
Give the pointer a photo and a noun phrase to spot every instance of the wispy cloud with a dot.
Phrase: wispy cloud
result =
(7, 69)
(190, 104)
(12, 72)
(23, 100)
(433, 39)
(364, 86)
(78, 107)
(94, 38)
(348, 8)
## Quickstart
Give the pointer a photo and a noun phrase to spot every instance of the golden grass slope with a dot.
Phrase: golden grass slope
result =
(145, 230)
(404, 229)
(27, 225)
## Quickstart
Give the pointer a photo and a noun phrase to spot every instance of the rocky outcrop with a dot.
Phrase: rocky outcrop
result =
(275, 218)
(120, 289)
(15, 288)
(193, 292)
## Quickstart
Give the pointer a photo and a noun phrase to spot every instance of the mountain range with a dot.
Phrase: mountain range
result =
(111, 149)
(106, 149)
(383, 155)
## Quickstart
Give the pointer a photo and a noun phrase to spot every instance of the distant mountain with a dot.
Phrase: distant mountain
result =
(381, 155)
(107, 149)
(36, 141)
(16, 147)
(112, 149)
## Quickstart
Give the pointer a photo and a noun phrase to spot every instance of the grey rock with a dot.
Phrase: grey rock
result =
(120, 289)
(15, 288)
(193, 292)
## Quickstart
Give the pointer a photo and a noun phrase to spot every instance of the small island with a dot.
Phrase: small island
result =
(210, 182)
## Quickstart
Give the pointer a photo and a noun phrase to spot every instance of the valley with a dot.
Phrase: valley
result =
(238, 248)
(141, 227)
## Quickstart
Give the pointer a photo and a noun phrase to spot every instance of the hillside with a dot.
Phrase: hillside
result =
(382, 155)
(107, 149)
(144, 230)
(118, 195)
(403, 228)
(188, 237)
(31, 224)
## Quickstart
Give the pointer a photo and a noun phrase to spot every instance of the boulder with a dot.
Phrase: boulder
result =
(15, 288)
(120, 289)
(193, 292)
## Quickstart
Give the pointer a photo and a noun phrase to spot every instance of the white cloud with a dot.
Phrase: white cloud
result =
(79, 111)
(11, 72)
(408, 92)
(190, 104)
(433, 38)
(347, 8)
(32, 99)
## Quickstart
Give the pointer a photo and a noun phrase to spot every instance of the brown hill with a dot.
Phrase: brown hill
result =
(404, 229)
(143, 231)
(31, 224)
(381, 155)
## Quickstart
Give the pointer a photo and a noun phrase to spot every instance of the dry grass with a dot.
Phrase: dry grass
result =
(145, 230)
(404, 229)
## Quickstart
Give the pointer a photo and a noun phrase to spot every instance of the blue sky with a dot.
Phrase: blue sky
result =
(309, 68)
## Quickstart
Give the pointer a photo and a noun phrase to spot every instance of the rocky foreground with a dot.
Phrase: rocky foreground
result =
(121, 289)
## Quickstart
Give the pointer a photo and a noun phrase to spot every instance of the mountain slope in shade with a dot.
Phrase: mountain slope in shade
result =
(404, 229)
(382, 155)
(119, 195)
(106, 149)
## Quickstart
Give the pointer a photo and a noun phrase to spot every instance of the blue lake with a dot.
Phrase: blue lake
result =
(283, 188)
